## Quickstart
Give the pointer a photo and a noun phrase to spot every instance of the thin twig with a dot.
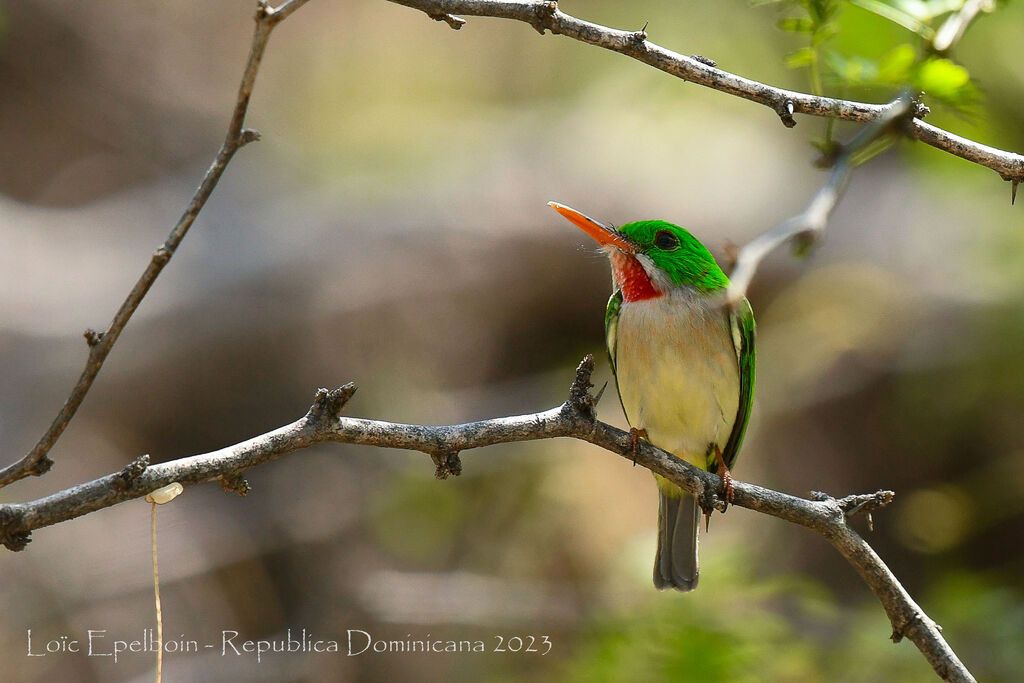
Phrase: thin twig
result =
(807, 227)
(545, 15)
(952, 30)
(156, 597)
(575, 419)
(37, 461)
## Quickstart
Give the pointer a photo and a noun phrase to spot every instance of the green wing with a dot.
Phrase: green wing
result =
(611, 329)
(741, 322)
(611, 324)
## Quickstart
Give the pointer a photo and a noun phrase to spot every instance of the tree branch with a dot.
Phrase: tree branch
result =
(544, 14)
(807, 227)
(37, 461)
(575, 418)
(952, 30)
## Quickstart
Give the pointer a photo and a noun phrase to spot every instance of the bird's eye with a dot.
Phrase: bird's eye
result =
(665, 240)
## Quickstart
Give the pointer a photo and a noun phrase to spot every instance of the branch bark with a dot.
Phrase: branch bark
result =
(952, 30)
(545, 15)
(37, 461)
(806, 228)
(576, 418)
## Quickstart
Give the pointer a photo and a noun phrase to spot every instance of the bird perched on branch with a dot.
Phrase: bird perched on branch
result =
(683, 361)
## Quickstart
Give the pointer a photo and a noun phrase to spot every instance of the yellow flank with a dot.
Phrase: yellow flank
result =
(677, 373)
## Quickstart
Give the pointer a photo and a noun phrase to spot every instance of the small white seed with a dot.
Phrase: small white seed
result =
(165, 494)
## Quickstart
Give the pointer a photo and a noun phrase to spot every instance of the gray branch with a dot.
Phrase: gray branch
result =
(37, 461)
(575, 419)
(807, 227)
(545, 15)
(952, 30)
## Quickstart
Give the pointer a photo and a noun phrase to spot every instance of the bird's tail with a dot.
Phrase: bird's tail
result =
(675, 565)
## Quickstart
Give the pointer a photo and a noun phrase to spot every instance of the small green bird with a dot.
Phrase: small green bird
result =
(683, 362)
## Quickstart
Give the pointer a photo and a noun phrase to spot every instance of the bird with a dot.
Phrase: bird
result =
(683, 361)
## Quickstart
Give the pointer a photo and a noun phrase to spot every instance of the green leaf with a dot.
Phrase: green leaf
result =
(942, 78)
(926, 10)
(894, 66)
(825, 32)
(802, 57)
(796, 25)
(897, 16)
(820, 11)
(853, 70)
(873, 149)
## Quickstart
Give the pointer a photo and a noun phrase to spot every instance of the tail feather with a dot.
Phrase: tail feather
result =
(675, 564)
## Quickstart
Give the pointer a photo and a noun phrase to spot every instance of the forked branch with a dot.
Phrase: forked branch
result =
(37, 460)
(575, 419)
(807, 227)
(545, 15)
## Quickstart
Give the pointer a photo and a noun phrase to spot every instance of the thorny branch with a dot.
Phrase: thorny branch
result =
(807, 227)
(956, 24)
(37, 461)
(576, 418)
(545, 15)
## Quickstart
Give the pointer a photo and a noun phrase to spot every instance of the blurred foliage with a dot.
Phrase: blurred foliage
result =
(793, 629)
(391, 229)
(864, 49)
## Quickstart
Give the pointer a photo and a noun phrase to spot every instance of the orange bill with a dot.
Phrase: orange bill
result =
(602, 233)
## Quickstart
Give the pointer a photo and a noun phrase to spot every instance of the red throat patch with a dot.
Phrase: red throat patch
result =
(633, 280)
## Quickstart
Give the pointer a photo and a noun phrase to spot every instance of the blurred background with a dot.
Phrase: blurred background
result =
(391, 229)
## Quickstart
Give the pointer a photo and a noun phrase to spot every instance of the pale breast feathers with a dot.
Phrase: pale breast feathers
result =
(677, 373)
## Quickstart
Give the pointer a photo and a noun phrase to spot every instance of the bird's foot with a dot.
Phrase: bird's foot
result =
(634, 440)
(726, 475)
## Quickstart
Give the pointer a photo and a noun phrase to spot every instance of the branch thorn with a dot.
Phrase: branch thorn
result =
(132, 471)
(1013, 190)
(235, 483)
(639, 37)
(580, 401)
(263, 10)
(328, 403)
(545, 12)
(785, 109)
(709, 502)
(455, 22)
(248, 135)
(39, 467)
(865, 503)
(448, 463)
(162, 254)
(920, 109)
(10, 534)
(92, 337)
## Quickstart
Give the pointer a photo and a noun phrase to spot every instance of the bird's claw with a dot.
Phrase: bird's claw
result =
(730, 492)
(726, 475)
(634, 441)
